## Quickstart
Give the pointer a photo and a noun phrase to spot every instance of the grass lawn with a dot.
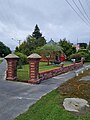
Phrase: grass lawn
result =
(50, 107)
(87, 63)
(1, 61)
(43, 66)
(23, 74)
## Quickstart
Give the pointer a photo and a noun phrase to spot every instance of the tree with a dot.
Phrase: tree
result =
(40, 42)
(32, 42)
(83, 45)
(81, 53)
(48, 50)
(36, 32)
(23, 58)
(76, 56)
(84, 53)
(88, 46)
(67, 47)
(4, 50)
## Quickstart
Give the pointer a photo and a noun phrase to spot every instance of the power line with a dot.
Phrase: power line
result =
(81, 11)
(88, 4)
(76, 12)
(84, 10)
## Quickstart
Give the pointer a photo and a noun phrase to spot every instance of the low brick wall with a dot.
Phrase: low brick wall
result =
(57, 71)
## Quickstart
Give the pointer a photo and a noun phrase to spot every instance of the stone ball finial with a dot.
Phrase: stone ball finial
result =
(12, 56)
(34, 55)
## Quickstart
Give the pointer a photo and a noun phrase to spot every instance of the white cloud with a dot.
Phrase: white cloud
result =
(55, 18)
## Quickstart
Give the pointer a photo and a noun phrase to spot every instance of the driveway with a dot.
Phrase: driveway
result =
(16, 97)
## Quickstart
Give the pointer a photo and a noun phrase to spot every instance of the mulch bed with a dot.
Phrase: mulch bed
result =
(77, 88)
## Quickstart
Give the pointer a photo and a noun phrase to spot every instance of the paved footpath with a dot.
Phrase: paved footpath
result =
(15, 97)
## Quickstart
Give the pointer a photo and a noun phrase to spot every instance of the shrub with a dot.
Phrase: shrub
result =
(85, 54)
(23, 58)
(76, 56)
(88, 58)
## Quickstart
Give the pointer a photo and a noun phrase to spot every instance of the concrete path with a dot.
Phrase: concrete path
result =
(15, 97)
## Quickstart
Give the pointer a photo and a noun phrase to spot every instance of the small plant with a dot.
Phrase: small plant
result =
(76, 56)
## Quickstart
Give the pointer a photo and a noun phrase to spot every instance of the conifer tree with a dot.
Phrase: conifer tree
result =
(36, 32)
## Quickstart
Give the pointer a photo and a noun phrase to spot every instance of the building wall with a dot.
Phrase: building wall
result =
(52, 58)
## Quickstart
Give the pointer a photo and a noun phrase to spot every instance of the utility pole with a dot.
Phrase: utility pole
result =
(19, 41)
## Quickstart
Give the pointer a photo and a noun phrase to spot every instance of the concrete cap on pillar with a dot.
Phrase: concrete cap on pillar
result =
(11, 56)
(34, 55)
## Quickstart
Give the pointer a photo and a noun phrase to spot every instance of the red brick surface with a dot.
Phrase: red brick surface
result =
(34, 70)
(11, 73)
(51, 73)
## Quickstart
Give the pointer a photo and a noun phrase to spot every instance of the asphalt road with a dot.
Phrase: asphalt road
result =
(16, 97)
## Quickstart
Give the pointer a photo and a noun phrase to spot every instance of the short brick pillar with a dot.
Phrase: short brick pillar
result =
(34, 60)
(11, 73)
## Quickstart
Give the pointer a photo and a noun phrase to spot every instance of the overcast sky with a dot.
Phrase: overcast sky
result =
(55, 18)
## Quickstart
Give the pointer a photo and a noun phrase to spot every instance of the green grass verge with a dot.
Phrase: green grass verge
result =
(1, 61)
(50, 108)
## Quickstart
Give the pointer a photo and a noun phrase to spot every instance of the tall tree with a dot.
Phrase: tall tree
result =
(36, 32)
(67, 47)
(31, 43)
(4, 50)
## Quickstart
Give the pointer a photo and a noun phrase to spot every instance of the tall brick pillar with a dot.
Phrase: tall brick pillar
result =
(11, 73)
(34, 60)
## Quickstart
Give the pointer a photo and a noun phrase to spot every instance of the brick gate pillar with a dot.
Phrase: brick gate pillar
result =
(11, 73)
(34, 60)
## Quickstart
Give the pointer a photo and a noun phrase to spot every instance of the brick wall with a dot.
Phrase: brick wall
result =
(57, 71)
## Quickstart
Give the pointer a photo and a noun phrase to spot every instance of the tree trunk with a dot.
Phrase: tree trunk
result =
(48, 62)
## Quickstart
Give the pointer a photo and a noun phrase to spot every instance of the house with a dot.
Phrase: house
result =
(77, 46)
(57, 54)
